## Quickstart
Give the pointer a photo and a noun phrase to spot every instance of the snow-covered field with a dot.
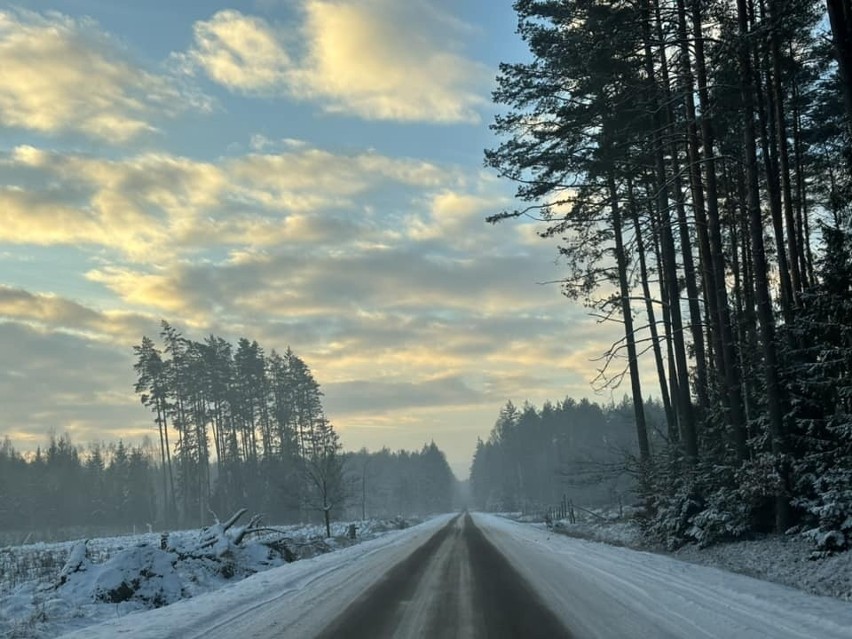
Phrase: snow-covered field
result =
(785, 560)
(50, 589)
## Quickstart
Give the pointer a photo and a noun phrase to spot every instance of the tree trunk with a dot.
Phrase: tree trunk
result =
(801, 191)
(717, 292)
(667, 122)
(633, 364)
(768, 144)
(652, 320)
(761, 280)
(784, 153)
(674, 426)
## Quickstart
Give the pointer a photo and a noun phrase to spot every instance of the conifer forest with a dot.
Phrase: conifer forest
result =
(692, 160)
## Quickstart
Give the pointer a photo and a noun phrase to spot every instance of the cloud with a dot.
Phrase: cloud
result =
(154, 208)
(62, 74)
(374, 59)
(242, 53)
(52, 312)
(457, 217)
(380, 272)
(57, 382)
(389, 60)
(377, 397)
(362, 257)
(132, 206)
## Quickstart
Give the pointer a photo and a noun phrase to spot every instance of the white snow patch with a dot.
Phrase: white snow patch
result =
(599, 590)
(50, 589)
(784, 559)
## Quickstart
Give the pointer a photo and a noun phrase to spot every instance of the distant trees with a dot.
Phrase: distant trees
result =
(60, 487)
(67, 489)
(534, 456)
(248, 429)
(386, 484)
(693, 157)
(235, 428)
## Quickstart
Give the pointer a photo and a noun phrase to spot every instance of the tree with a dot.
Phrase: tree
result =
(324, 472)
(572, 117)
(152, 387)
(691, 146)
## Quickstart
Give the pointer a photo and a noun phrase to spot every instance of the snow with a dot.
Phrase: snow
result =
(597, 590)
(115, 577)
(604, 526)
(315, 590)
(605, 591)
(784, 559)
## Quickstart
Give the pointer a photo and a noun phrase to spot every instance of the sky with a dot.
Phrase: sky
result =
(304, 173)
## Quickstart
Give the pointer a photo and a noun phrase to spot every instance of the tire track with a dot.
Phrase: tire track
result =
(457, 584)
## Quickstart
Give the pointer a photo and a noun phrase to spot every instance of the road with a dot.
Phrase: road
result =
(457, 584)
(485, 576)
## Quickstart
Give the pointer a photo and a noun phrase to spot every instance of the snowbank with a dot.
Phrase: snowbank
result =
(782, 559)
(50, 589)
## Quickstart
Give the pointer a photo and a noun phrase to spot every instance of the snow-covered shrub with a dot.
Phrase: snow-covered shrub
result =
(143, 573)
(673, 500)
(724, 517)
(709, 503)
(825, 490)
(820, 372)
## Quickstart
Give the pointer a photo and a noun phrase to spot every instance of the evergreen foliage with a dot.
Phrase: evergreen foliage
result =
(248, 429)
(401, 483)
(578, 449)
(693, 158)
(62, 487)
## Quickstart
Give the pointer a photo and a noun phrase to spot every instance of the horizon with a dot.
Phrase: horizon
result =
(270, 173)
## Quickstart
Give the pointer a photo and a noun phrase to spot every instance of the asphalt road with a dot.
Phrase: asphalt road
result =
(457, 584)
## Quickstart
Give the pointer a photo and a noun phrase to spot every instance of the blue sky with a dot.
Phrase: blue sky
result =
(302, 172)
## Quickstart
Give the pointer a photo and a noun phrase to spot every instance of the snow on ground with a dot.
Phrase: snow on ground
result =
(784, 560)
(49, 589)
(602, 591)
(597, 590)
(302, 597)
(781, 559)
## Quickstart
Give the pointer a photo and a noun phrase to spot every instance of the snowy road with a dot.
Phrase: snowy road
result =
(488, 577)
(455, 585)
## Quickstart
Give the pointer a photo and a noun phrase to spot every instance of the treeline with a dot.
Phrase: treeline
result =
(694, 159)
(234, 428)
(67, 489)
(533, 457)
(387, 484)
(237, 428)
(60, 486)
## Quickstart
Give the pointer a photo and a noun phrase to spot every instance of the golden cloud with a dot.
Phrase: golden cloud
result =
(242, 53)
(28, 217)
(457, 217)
(386, 60)
(54, 312)
(62, 74)
(157, 207)
(147, 290)
(376, 59)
